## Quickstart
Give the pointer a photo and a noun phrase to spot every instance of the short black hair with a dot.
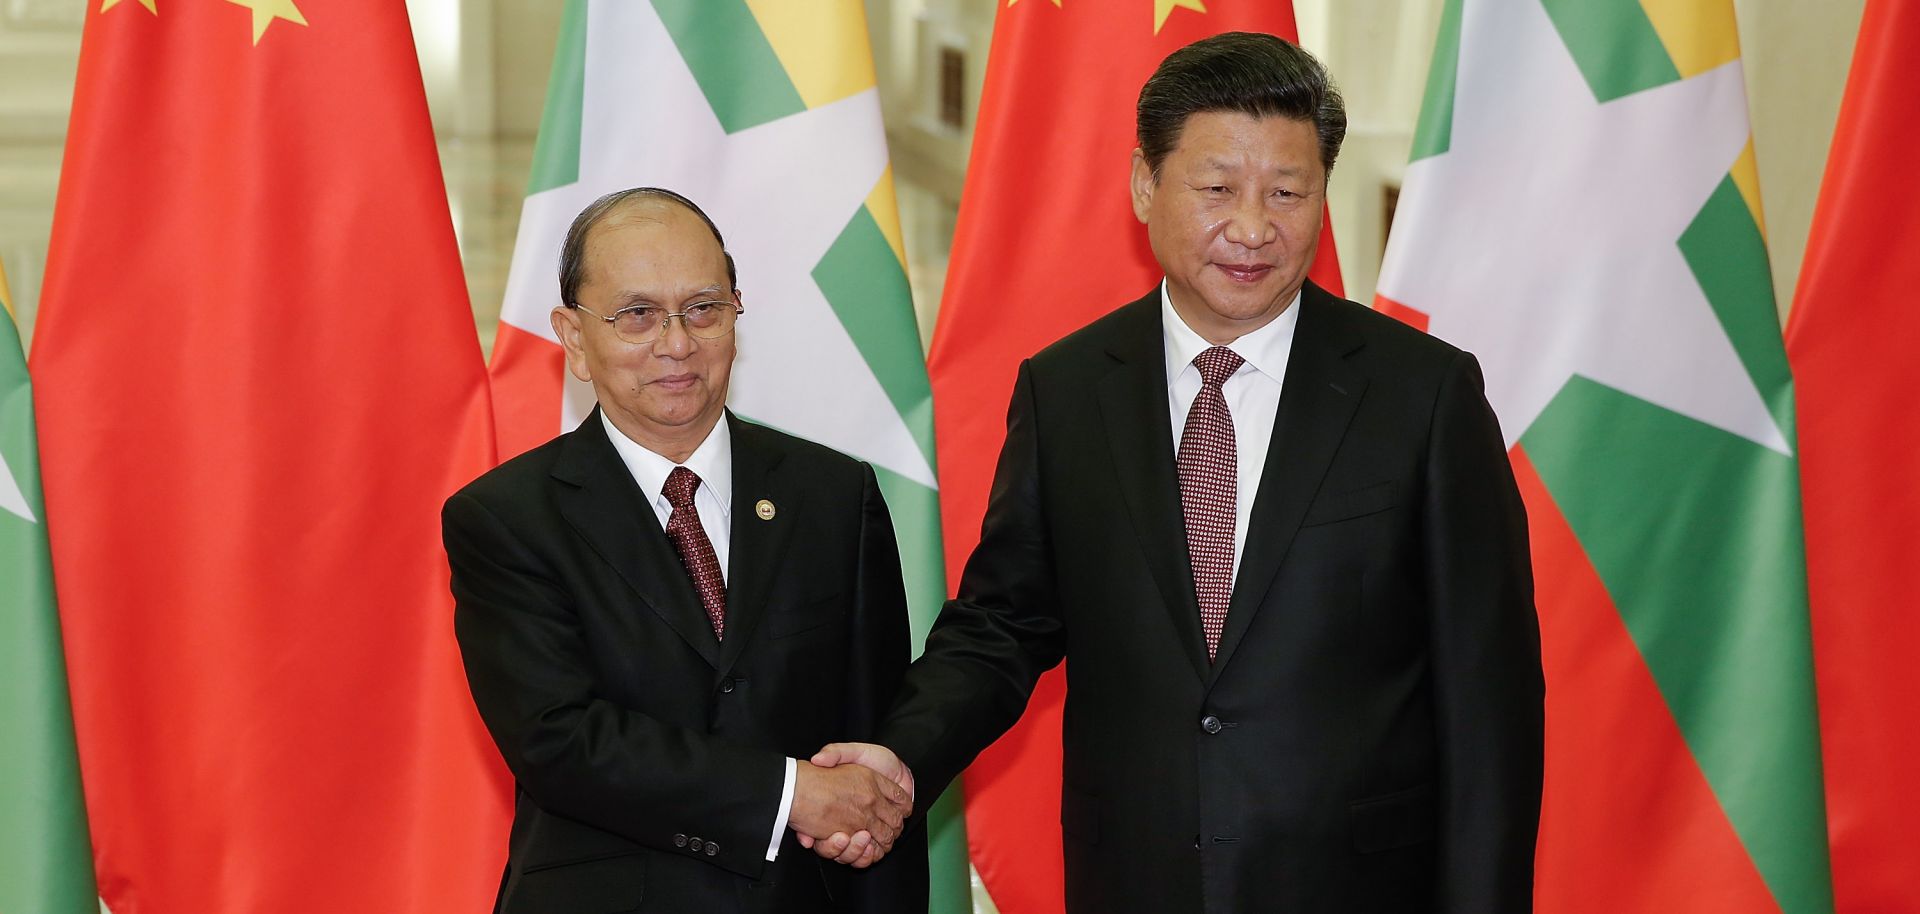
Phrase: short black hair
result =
(1253, 73)
(573, 252)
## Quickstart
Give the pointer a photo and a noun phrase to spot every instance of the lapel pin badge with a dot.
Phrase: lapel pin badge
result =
(763, 509)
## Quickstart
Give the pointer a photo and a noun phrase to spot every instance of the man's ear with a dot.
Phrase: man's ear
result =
(566, 326)
(1143, 184)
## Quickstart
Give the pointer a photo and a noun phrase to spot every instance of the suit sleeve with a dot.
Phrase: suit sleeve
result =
(573, 753)
(877, 663)
(1488, 688)
(999, 634)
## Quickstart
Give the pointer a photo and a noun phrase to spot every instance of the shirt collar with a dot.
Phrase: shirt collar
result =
(712, 461)
(1265, 349)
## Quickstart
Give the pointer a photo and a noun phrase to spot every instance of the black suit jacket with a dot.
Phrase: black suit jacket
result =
(1369, 739)
(648, 755)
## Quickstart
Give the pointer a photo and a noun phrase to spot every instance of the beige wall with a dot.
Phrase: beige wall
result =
(523, 39)
(1796, 55)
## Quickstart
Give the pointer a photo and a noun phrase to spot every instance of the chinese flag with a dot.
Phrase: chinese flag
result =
(257, 377)
(1851, 340)
(1046, 242)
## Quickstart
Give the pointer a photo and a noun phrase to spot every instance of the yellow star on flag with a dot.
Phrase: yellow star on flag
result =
(110, 4)
(1164, 8)
(1012, 2)
(265, 11)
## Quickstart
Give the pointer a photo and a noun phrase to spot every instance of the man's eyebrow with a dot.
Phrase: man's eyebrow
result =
(637, 297)
(1287, 171)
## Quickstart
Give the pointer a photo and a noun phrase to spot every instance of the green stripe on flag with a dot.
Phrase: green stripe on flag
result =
(864, 282)
(732, 61)
(1728, 256)
(949, 886)
(1696, 534)
(916, 524)
(1614, 44)
(556, 150)
(43, 818)
(1433, 134)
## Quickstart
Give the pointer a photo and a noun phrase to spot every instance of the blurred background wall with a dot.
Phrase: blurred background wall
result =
(485, 66)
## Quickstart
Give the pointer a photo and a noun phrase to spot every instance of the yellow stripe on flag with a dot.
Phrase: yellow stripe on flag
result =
(823, 45)
(1746, 177)
(885, 209)
(1699, 34)
(6, 298)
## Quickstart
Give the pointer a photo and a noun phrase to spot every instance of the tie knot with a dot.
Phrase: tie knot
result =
(1217, 364)
(679, 488)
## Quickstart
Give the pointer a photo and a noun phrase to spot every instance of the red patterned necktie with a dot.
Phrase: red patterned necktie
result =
(1209, 478)
(696, 551)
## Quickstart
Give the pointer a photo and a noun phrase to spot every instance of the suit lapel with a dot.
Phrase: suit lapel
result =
(757, 545)
(1133, 406)
(604, 505)
(1317, 401)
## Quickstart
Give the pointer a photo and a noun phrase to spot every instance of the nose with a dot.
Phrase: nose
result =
(674, 341)
(1249, 224)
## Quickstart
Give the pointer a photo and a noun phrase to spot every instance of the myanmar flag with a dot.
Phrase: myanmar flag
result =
(765, 114)
(1582, 213)
(1046, 242)
(43, 822)
(257, 378)
(1852, 341)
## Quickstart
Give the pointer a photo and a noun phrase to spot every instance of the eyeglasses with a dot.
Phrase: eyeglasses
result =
(642, 324)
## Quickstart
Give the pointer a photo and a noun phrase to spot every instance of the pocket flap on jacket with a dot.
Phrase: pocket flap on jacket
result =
(1398, 819)
(1350, 504)
(559, 840)
(604, 885)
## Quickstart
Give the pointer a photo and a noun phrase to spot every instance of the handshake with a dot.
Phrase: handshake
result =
(850, 801)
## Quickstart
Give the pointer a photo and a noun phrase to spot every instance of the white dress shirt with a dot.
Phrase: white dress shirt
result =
(712, 461)
(1252, 394)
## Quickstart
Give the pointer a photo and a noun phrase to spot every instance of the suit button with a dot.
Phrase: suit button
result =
(1211, 724)
(712, 848)
(726, 685)
(693, 844)
(679, 840)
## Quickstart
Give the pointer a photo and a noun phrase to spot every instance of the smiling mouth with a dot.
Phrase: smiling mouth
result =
(1250, 272)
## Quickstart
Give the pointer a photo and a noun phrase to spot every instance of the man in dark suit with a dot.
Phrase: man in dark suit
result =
(661, 609)
(1275, 537)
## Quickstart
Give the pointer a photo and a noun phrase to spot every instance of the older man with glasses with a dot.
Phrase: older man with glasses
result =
(665, 611)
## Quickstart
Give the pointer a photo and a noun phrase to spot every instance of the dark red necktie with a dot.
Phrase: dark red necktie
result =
(696, 551)
(1209, 480)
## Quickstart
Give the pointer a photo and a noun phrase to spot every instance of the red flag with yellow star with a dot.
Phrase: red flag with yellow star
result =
(1046, 242)
(257, 377)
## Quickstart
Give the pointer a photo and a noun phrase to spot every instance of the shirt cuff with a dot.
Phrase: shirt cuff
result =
(786, 806)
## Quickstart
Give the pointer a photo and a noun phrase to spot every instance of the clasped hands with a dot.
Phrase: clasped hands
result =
(850, 802)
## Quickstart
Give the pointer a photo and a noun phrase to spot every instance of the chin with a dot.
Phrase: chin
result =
(1244, 303)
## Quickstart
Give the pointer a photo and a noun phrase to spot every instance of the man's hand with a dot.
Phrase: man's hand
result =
(857, 848)
(850, 802)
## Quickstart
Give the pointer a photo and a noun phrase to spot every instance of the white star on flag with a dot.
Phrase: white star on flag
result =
(12, 500)
(1550, 230)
